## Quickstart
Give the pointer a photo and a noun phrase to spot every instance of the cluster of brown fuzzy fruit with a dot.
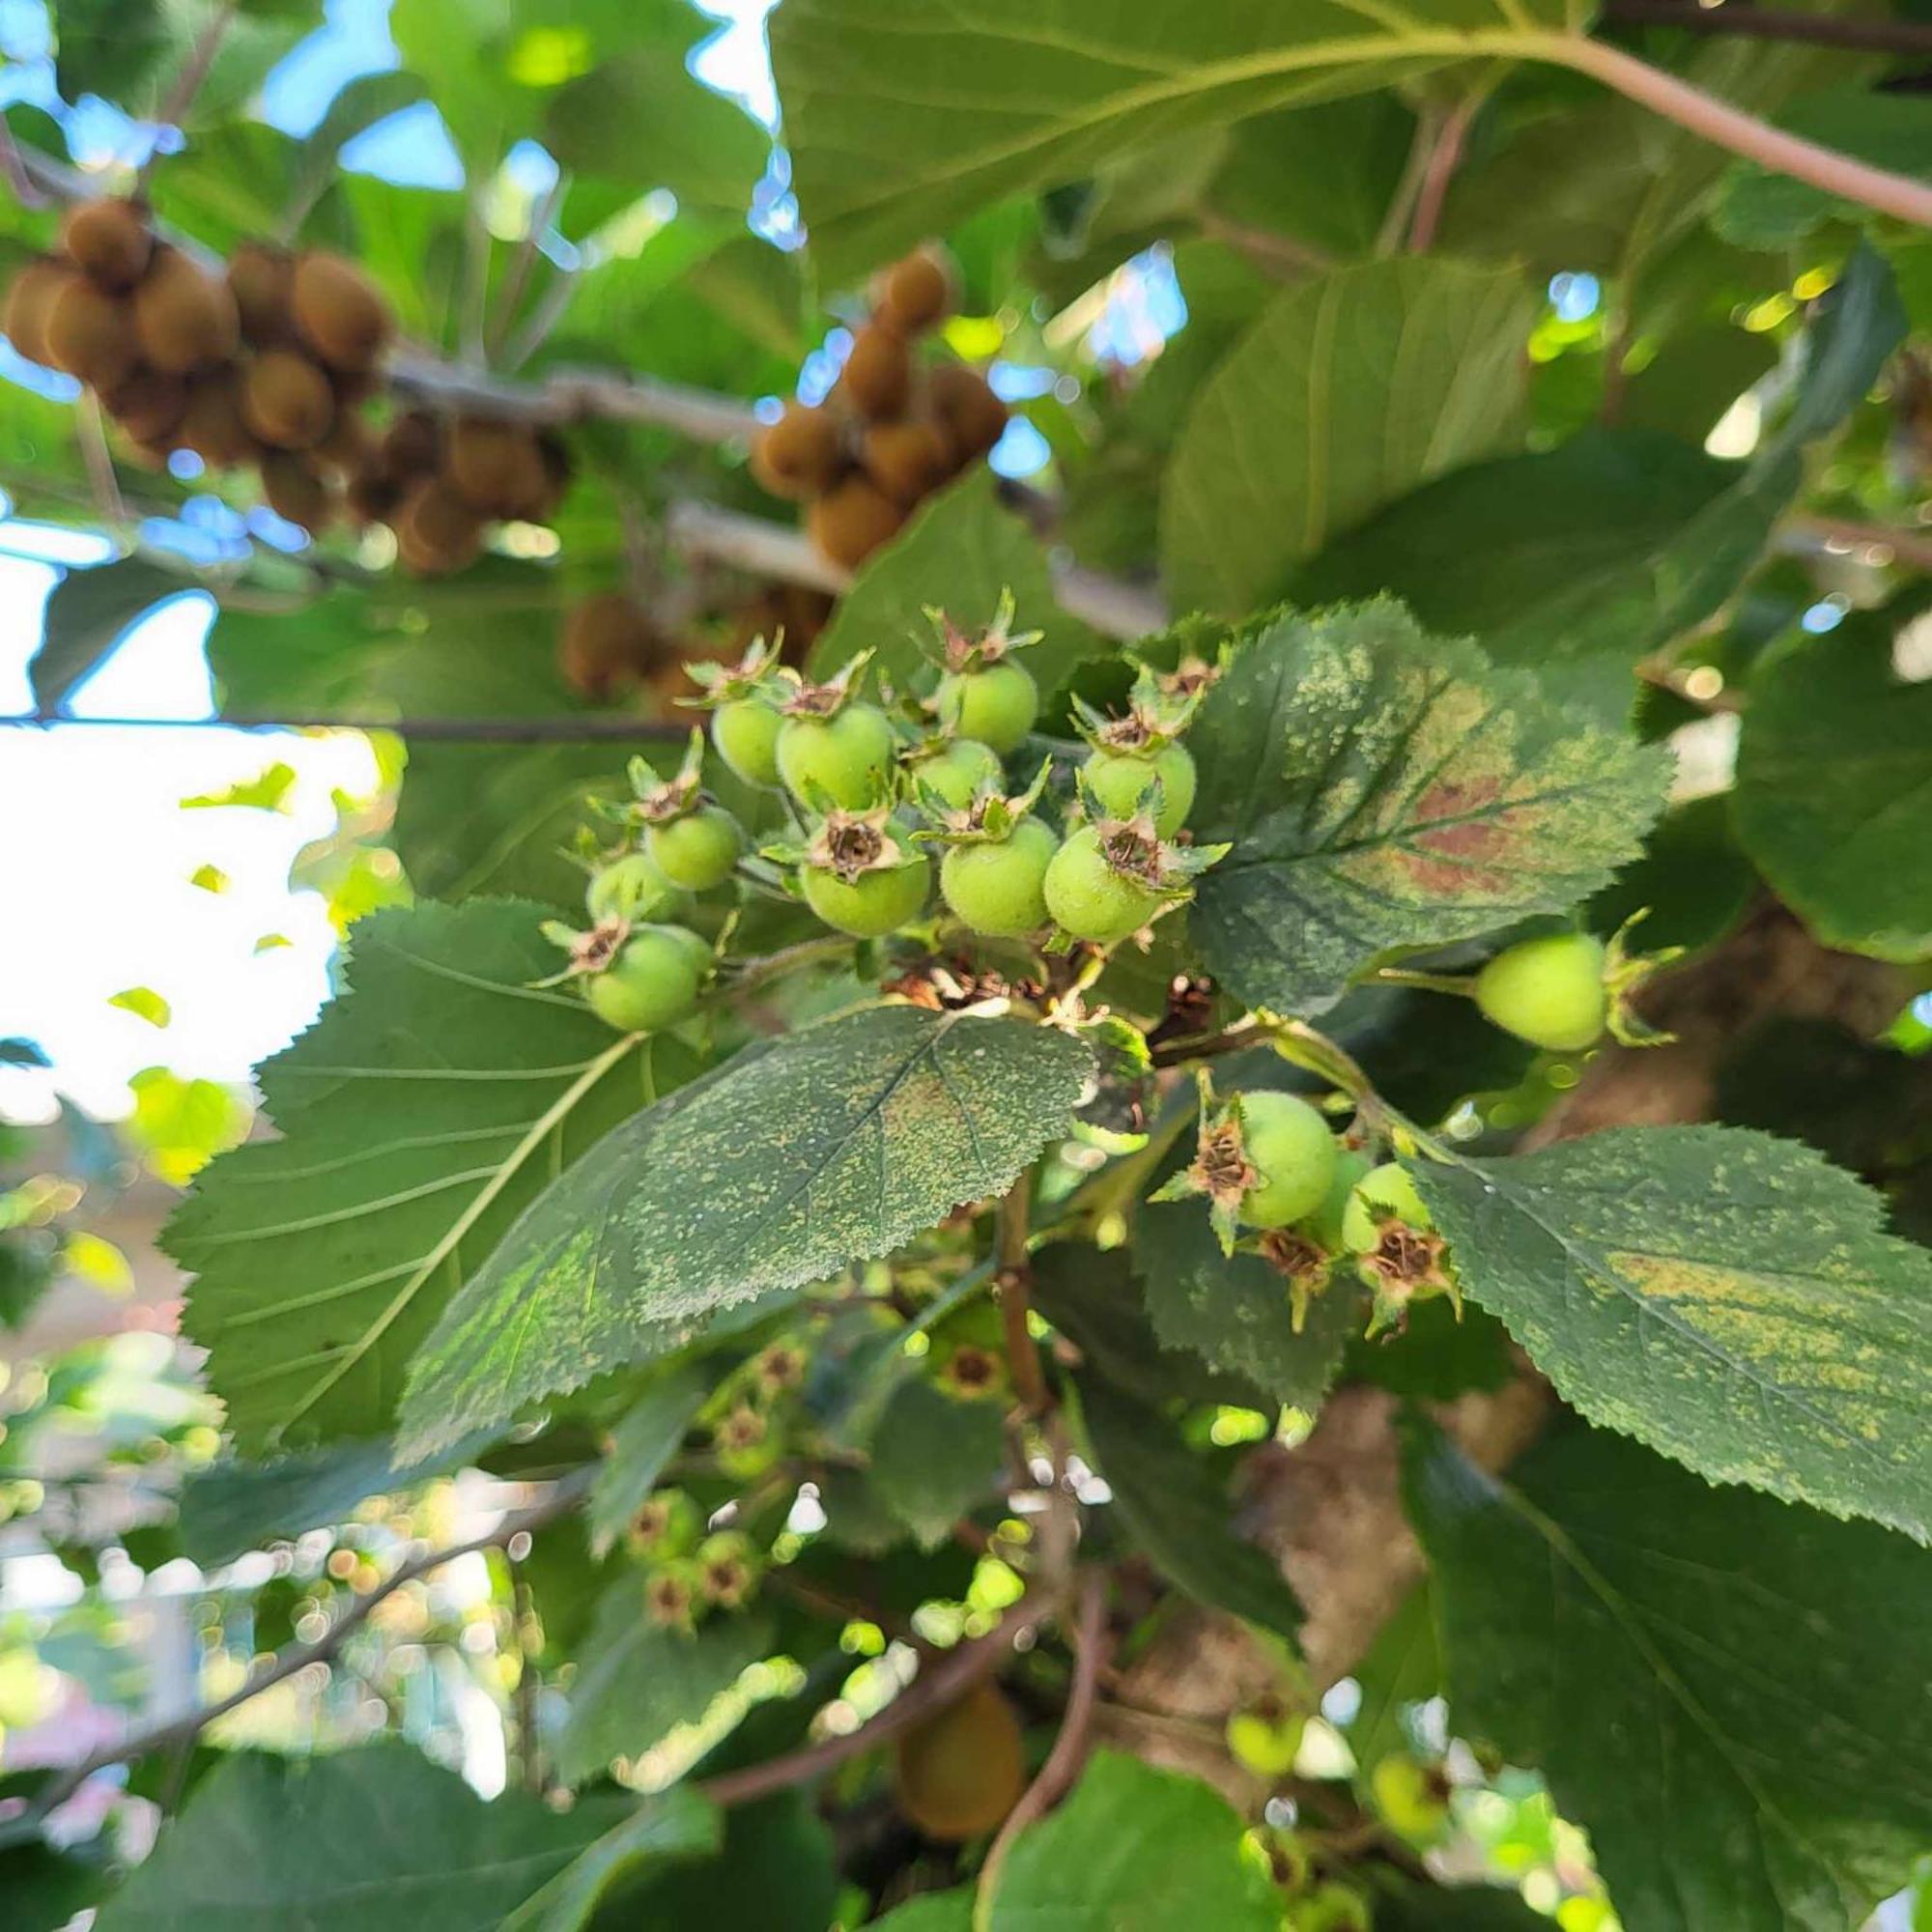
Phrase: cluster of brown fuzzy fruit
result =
(269, 363)
(893, 430)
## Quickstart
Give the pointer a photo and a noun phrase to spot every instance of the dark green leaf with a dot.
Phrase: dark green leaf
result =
(377, 1834)
(89, 612)
(1709, 1679)
(777, 1873)
(1350, 391)
(896, 134)
(1383, 790)
(46, 1889)
(674, 1825)
(1834, 768)
(1413, 1905)
(1758, 209)
(834, 1144)
(642, 1443)
(958, 554)
(1693, 883)
(1432, 1357)
(430, 1103)
(1726, 1297)
(1403, 1668)
(932, 1911)
(1135, 1850)
(935, 1458)
(1176, 1505)
(637, 1680)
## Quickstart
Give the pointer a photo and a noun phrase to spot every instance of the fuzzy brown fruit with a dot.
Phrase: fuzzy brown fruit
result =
(554, 453)
(963, 400)
(851, 521)
(147, 405)
(90, 333)
(346, 444)
(960, 1772)
(496, 467)
(286, 400)
(907, 459)
(411, 446)
(606, 641)
(185, 320)
(371, 497)
(877, 378)
(801, 454)
(917, 291)
(436, 530)
(29, 296)
(262, 280)
(213, 426)
(109, 240)
(292, 488)
(338, 312)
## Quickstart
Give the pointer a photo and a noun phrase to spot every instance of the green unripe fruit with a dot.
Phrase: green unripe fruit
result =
(996, 705)
(1331, 1907)
(744, 733)
(848, 757)
(957, 774)
(1291, 1149)
(1264, 1741)
(694, 947)
(698, 850)
(872, 905)
(634, 890)
(1116, 781)
(1089, 898)
(652, 984)
(1409, 1799)
(668, 1523)
(1549, 991)
(998, 888)
(1325, 1222)
(1383, 1191)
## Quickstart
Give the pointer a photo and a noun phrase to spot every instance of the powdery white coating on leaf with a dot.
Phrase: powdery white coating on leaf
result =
(1382, 788)
(834, 1144)
(1729, 1298)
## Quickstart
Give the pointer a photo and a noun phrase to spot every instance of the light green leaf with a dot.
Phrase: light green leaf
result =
(958, 554)
(677, 1824)
(1834, 772)
(1728, 1299)
(1382, 788)
(87, 615)
(932, 1912)
(1351, 390)
(1177, 1506)
(425, 1109)
(376, 1837)
(144, 1003)
(1710, 1680)
(641, 1444)
(1135, 1850)
(935, 1460)
(637, 1680)
(900, 125)
(831, 1145)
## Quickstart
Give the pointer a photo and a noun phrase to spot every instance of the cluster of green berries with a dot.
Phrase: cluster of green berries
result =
(690, 1571)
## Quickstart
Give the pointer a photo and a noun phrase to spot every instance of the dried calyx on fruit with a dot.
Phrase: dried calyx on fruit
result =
(859, 874)
(636, 977)
(745, 702)
(1137, 760)
(1113, 876)
(993, 876)
(1262, 1159)
(834, 748)
(984, 691)
(690, 839)
(1388, 1228)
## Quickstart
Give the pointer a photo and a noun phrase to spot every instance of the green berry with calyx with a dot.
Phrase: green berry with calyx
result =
(984, 693)
(998, 886)
(1549, 991)
(650, 982)
(698, 850)
(1293, 1151)
(1133, 753)
(634, 890)
(859, 878)
(1382, 1195)
(1118, 780)
(727, 1568)
(957, 772)
(834, 748)
(745, 715)
(1324, 1222)
(666, 1523)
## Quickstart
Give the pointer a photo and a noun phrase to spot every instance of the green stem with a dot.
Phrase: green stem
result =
(1428, 982)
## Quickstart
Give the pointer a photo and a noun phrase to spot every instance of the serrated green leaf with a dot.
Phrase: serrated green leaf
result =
(1135, 1850)
(641, 1444)
(637, 1680)
(899, 128)
(1728, 1299)
(1382, 789)
(425, 1109)
(1352, 389)
(1710, 1680)
(1833, 766)
(834, 1144)
(1178, 1508)
(962, 551)
(935, 1460)
(87, 615)
(674, 1825)
(377, 1836)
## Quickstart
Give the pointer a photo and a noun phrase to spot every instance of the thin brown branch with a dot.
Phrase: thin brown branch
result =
(298, 1658)
(1884, 37)
(21, 183)
(1911, 548)
(1267, 251)
(1012, 1283)
(1401, 211)
(954, 1674)
(517, 275)
(1068, 1754)
(1445, 154)
(194, 70)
